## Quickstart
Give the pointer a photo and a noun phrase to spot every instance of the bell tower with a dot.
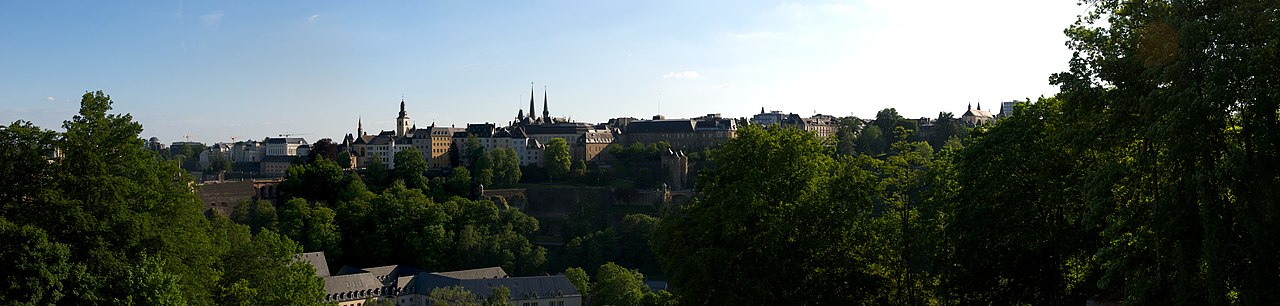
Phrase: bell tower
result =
(402, 122)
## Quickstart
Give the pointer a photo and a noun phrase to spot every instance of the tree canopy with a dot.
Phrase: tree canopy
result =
(107, 221)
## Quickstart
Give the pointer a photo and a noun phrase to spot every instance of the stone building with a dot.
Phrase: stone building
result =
(976, 117)
(684, 134)
(822, 125)
(433, 142)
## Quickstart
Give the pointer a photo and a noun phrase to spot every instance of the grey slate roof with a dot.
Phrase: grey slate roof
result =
(290, 140)
(661, 126)
(490, 272)
(556, 129)
(352, 287)
(317, 260)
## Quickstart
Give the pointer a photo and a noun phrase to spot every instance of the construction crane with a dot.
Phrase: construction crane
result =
(293, 134)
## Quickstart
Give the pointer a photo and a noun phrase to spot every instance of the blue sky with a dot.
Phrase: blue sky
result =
(212, 70)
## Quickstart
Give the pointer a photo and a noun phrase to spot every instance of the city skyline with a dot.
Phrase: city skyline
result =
(253, 70)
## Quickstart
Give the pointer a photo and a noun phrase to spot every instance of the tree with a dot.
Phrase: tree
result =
(500, 296)
(578, 169)
(260, 268)
(773, 203)
(847, 130)
(114, 224)
(871, 141)
(36, 267)
(635, 231)
(344, 160)
(376, 175)
(473, 151)
(318, 181)
(324, 148)
(459, 182)
(25, 148)
(506, 166)
(616, 285)
(945, 128)
(453, 296)
(1021, 239)
(557, 158)
(580, 280)
(311, 225)
(1183, 125)
(256, 214)
(218, 162)
(411, 167)
(114, 203)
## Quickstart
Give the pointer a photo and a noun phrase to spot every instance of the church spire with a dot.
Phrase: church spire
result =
(403, 114)
(546, 116)
(359, 126)
(531, 111)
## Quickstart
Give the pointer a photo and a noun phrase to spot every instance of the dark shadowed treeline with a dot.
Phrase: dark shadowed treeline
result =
(1150, 179)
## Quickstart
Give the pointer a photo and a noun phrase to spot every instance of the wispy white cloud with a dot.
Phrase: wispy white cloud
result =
(212, 20)
(691, 74)
(50, 99)
(313, 18)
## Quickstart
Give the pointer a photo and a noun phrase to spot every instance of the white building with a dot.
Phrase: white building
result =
(283, 146)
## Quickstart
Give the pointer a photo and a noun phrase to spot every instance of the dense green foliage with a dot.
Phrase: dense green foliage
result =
(401, 224)
(1174, 106)
(557, 158)
(776, 203)
(109, 222)
(617, 285)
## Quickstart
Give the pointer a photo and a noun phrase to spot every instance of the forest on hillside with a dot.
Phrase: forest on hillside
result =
(1151, 178)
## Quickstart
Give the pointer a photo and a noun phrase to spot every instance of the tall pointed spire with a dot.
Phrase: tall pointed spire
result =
(546, 116)
(532, 113)
(359, 126)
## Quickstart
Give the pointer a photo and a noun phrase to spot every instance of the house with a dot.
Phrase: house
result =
(408, 286)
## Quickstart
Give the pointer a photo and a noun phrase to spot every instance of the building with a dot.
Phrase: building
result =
(247, 152)
(275, 165)
(590, 145)
(434, 142)
(1006, 108)
(684, 134)
(822, 125)
(554, 290)
(407, 286)
(284, 146)
(769, 118)
(976, 117)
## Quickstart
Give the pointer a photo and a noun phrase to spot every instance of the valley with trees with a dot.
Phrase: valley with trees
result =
(1150, 179)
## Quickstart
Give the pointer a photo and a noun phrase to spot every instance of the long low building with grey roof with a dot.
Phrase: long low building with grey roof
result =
(408, 286)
